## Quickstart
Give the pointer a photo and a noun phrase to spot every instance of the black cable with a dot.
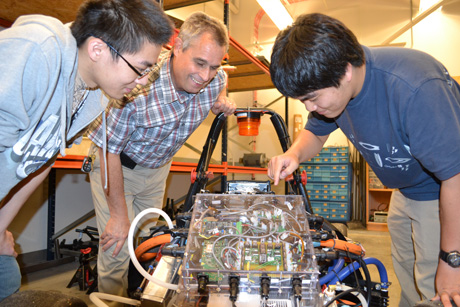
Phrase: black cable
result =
(156, 230)
(342, 294)
(297, 302)
(384, 209)
(354, 271)
(368, 279)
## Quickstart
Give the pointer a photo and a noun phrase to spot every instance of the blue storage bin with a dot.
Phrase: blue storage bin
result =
(331, 155)
(328, 187)
(338, 197)
(338, 205)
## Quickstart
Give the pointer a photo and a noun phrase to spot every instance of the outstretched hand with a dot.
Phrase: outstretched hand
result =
(225, 105)
(282, 166)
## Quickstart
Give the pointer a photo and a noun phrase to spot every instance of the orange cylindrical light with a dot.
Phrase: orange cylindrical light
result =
(248, 123)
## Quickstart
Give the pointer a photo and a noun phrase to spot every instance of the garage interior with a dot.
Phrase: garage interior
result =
(429, 26)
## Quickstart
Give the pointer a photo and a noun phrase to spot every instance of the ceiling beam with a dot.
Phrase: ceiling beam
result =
(415, 21)
(175, 4)
(65, 11)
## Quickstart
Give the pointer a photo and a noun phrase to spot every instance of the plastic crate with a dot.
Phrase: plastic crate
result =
(331, 155)
(338, 217)
(318, 197)
(338, 189)
(340, 149)
(326, 173)
(338, 197)
(335, 160)
(338, 205)
(336, 192)
(317, 186)
(334, 211)
(320, 192)
(328, 188)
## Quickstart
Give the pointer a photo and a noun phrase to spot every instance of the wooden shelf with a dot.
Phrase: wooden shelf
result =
(377, 226)
(376, 200)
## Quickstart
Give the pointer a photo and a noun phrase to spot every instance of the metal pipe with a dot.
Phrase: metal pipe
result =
(414, 21)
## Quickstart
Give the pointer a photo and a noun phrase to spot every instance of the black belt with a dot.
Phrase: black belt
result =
(127, 161)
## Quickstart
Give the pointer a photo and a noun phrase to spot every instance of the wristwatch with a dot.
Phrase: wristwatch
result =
(451, 258)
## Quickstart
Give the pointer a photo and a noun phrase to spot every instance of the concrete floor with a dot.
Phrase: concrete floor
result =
(376, 244)
(55, 278)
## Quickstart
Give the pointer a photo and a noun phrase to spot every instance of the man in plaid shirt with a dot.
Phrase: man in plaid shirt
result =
(143, 136)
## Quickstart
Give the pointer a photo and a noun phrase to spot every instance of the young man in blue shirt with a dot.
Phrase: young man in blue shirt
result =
(401, 109)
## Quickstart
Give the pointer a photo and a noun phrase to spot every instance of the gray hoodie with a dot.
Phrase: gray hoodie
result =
(39, 62)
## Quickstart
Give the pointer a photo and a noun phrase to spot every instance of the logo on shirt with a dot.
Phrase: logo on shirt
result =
(388, 162)
(37, 146)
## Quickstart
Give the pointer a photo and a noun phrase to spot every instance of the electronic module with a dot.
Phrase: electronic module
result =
(249, 250)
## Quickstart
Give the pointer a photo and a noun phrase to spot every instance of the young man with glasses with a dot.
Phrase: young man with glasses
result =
(144, 135)
(51, 83)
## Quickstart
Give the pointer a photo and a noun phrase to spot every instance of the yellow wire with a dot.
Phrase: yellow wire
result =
(207, 238)
(301, 240)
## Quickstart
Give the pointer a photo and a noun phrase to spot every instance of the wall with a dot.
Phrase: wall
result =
(436, 35)
(73, 200)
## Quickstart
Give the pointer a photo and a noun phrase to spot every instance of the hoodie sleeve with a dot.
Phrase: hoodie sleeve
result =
(24, 89)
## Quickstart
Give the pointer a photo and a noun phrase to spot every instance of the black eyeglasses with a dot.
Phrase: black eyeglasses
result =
(140, 74)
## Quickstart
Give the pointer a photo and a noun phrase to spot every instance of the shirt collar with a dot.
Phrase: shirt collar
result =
(80, 92)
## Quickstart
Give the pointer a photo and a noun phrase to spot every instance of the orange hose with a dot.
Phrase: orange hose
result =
(148, 245)
(344, 245)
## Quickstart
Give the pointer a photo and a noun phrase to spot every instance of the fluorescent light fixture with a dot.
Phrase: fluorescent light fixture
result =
(277, 13)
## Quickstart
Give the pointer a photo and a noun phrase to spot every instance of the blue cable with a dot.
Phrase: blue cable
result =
(332, 273)
(355, 266)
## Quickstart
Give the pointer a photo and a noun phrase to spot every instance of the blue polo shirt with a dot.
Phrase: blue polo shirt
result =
(405, 122)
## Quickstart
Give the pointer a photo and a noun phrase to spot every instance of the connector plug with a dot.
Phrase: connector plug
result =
(174, 251)
(297, 287)
(264, 287)
(203, 281)
(234, 282)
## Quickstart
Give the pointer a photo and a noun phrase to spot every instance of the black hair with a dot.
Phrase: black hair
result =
(125, 24)
(313, 54)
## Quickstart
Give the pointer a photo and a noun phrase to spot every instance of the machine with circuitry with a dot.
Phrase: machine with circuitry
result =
(250, 247)
(248, 250)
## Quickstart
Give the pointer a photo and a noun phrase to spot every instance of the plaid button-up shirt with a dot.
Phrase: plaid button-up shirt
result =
(157, 120)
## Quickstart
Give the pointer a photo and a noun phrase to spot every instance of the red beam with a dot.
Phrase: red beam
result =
(69, 162)
(74, 162)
